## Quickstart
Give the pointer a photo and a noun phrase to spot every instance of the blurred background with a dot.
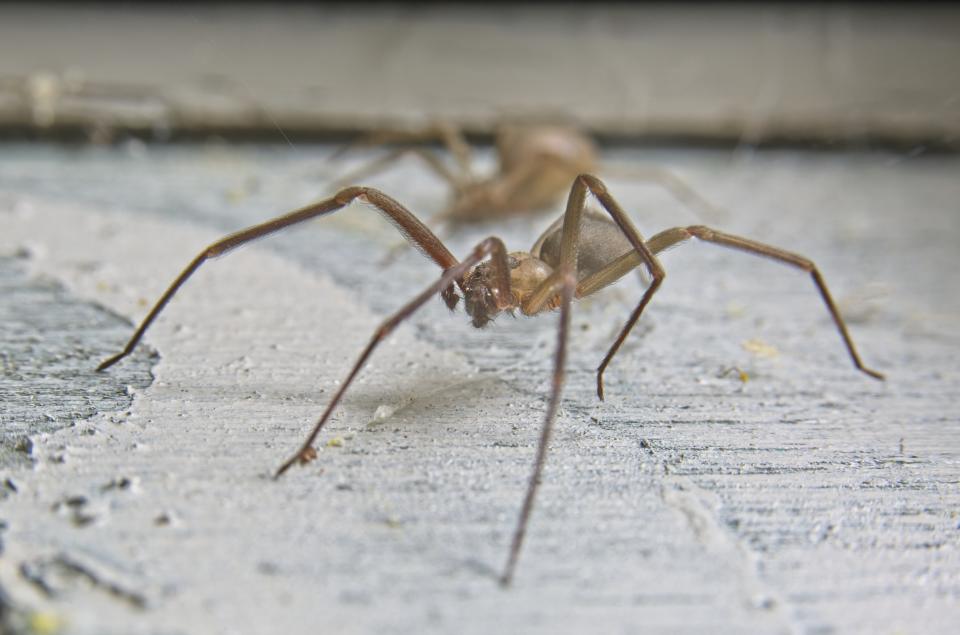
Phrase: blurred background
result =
(835, 74)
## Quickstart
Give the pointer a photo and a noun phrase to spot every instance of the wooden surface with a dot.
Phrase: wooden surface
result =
(827, 74)
(808, 499)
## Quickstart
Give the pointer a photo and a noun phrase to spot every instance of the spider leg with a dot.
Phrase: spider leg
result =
(456, 143)
(570, 241)
(487, 199)
(563, 281)
(670, 237)
(382, 163)
(530, 186)
(680, 190)
(448, 134)
(567, 285)
(440, 222)
(408, 225)
(569, 245)
(489, 247)
(760, 249)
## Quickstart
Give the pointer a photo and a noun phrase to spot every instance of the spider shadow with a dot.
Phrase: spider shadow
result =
(424, 396)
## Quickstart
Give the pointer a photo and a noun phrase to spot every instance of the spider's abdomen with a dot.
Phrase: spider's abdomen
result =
(601, 242)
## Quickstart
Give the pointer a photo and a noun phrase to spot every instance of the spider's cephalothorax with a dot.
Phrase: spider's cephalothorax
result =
(483, 301)
(481, 298)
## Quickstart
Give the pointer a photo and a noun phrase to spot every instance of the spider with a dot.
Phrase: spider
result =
(581, 253)
(535, 164)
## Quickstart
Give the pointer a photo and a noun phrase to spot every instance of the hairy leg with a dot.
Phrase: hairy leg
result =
(447, 133)
(671, 237)
(567, 284)
(569, 247)
(380, 164)
(408, 225)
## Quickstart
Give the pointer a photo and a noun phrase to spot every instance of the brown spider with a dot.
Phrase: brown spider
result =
(578, 255)
(536, 163)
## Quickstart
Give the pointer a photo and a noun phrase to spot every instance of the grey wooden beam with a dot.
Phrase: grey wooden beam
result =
(755, 73)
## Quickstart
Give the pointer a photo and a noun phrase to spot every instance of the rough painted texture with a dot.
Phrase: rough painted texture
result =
(809, 499)
(46, 379)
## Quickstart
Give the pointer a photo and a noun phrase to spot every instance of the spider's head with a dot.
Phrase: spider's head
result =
(483, 300)
(480, 295)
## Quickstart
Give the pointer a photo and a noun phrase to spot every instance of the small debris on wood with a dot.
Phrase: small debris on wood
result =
(760, 348)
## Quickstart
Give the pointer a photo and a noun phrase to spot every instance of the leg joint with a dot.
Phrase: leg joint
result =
(592, 183)
(348, 194)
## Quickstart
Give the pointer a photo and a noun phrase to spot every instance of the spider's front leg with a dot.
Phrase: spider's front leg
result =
(563, 283)
(408, 225)
(492, 247)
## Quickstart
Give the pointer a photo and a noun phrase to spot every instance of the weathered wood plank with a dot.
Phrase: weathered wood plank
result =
(808, 499)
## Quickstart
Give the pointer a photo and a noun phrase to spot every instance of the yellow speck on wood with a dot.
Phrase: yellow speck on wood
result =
(236, 194)
(742, 375)
(44, 623)
(735, 310)
(760, 348)
(335, 442)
